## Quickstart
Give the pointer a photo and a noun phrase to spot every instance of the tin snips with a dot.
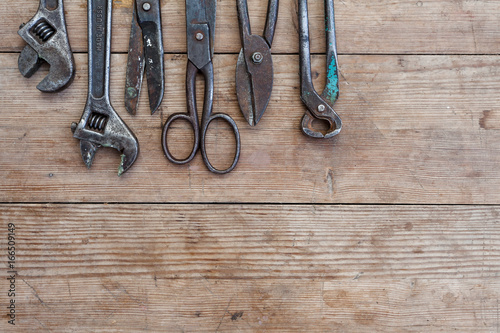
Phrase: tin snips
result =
(145, 55)
(254, 71)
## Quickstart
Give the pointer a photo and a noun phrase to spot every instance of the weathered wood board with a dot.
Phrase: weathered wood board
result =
(364, 26)
(229, 268)
(418, 129)
(266, 248)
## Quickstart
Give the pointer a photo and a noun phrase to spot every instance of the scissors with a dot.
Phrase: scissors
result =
(145, 55)
(200, 19)
(254, 70)
(319, 106)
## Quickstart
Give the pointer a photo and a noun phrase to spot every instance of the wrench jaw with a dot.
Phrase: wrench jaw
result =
(47, 41)
(28, 62)
(101, 126)
(88, 150)
(128, 156)
(61, 73)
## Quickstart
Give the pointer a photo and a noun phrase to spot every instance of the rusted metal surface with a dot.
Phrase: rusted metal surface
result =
(319, 106)
(145, 55)
(100, 125)
(200, 31)
(47, 40)
(254, 70)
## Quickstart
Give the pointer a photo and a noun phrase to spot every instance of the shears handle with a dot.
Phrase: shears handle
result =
(236, 133)
(207, 118)
(191, 117)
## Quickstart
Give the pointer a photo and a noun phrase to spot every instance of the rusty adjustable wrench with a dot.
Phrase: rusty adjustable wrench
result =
(47, 40)
(100, 125)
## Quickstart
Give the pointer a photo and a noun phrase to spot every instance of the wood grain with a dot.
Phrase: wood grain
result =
(420, 106)
(364, 26)
(227, 268)
(131, 304)
(417, 129)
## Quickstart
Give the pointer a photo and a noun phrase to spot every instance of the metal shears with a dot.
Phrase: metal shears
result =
(145, 55)
(200, 20)
(319, 106)
(254, 70)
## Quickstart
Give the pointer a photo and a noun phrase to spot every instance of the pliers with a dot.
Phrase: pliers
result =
(145, 54)
(254, 70)
(319, 106)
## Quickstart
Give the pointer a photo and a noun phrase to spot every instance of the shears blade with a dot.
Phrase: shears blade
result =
(153, 52)
(254, 70)
(200, 18)
(135, 66)
(254, 78)
(210, 14)
(145, 55)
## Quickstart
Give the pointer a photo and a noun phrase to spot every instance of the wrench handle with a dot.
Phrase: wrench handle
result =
(99, 31)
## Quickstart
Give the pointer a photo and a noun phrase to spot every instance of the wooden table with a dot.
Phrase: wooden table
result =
(392, 226)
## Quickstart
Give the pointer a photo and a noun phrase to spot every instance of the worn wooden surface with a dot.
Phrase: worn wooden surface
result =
(304, 235)
(418, 129)
(229, 268)
(364, 26)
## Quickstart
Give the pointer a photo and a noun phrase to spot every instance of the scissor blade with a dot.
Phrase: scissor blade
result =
(149, 19)
(244, 90)
(211, 10)
(200, 31)
(135, 66)
(153, 52)
(254, 79)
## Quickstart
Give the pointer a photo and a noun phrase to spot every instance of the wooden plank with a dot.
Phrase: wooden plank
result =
(131, 304)
(417, 129)
(227, 268)
(237, 242)
(375, 27)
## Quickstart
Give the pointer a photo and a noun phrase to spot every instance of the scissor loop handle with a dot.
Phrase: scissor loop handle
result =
(236, 133)
(194, 124)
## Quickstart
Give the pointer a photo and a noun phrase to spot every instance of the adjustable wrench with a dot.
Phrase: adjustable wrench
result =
(100, 125)
(47, 40)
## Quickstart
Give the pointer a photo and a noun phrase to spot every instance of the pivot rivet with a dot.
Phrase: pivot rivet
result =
(257, 57)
